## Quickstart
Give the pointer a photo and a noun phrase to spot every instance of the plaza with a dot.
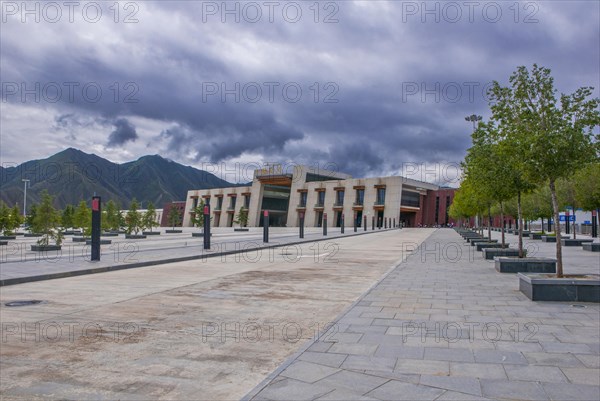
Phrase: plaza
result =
(393, 315)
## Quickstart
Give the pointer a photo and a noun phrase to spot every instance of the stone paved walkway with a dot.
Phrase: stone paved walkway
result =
(444, 325)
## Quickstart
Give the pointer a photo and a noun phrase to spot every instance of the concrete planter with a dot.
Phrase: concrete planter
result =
(134, 236)
(484, 241)
(592, 247)
(3, 237)
(548, 238)
(573, 288)
(80, 239)
(45, 248)
(72, 232)
(30, 235)
(109, 234)
(477, 239)
(491, 253)
(535, 236)
(151, 232)
(3, 243)
(526, 233)
(241, 229)
(173, 231)
(199, 234)
(526, 265)
(575, 242)
(102, 242)
(480, 246)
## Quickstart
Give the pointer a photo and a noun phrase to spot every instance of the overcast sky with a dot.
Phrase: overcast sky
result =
(367, 86)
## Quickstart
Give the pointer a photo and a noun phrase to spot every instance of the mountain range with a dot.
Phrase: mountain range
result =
(72, 175)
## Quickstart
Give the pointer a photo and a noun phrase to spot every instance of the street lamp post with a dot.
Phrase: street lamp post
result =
(25, 182)
(474, 118)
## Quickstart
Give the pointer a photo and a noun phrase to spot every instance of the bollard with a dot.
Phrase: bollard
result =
(96, 226)
(206, 227)
(266, 226)
(324, 223)
(379, 223)
(394, 222)
(385, 222)
(301, 224)
(355, 222)
(342, 224)
(373, 223)
(365, 223)
(567, 221)
(594, 224)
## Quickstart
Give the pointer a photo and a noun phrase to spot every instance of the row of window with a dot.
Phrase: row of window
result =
(339, 198)
(219, 206)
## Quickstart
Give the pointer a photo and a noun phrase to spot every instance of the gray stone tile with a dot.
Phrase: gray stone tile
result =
(307, 371)
(590, 361)
(408, 378)
(323, 358)
(571, 392)
(348, 338)
(550, 374)
(559, 360)
(421, 367)
(395, 390)
(447, 354)
(495, 356)
(320, 346)
(566, 348)
(353, 381)
(466, 385)
(512, 390)
(364, 329)
(583, 376)
(478, 370)
(518, 346)
(400, 351)
(293, 390)
(353, 349)
(344, 395)
(455, 396)
(358, 362)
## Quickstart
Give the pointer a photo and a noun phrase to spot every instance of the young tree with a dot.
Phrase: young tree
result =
(551, 137)
(15, 220)
(82, 218)
(149, 218)
(111, 216)
(174, 216)
(31, 217)
(4, 218)
(538, 205)
(67, 216)
(134, 218)
(587, 187)
(565, 191)
(242, 217)
(47, 220)
(198, 215)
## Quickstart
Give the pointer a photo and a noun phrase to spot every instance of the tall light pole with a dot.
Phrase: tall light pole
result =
(25, 182)
(474, 118)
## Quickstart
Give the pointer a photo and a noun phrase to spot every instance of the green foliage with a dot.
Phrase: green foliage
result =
(83, 218)
(134, 219)
(68, 215)
(538, 204)
(110, 219)
(242, 217)
(15, 220)
(587, 187)
(198, 215)
(149, 217)
(4, 217)
(174, 216)
(47, 221)
(31, 217)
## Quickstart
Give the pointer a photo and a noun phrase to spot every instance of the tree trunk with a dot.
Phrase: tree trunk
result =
(489, 222)
(502, 220)
(520, 220)
(559, 264)
(543, 226)
(574, 232)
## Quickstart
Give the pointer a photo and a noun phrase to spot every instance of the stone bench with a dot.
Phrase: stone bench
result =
(548, 238)
(575, 242)
(527, 265)
(592, 246)
(491, 253)
(480, 246)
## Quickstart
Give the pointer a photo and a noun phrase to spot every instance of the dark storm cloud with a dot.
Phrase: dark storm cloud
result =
(396, 78)
(123, 133)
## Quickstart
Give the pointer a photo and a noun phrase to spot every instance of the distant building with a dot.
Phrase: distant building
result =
(180, 205)
(300, 190)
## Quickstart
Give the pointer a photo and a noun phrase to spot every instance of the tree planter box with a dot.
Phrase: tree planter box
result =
(546, 238)
(241, 229)
(575, 242)
(573, 288)
(151, 232)
(475, 239)
(72, 232)
(102, 242)
(32, 235)
(526, 233)
(174, 231)
(526, 265)
(3, 243)
(480, 246)
(44, 248)
(592, 247)
(535, 236)
(109, 234)
(483, 241)
(491, 253)
(135, 236)
(199, 234)
(80, 239)
(8, 237)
